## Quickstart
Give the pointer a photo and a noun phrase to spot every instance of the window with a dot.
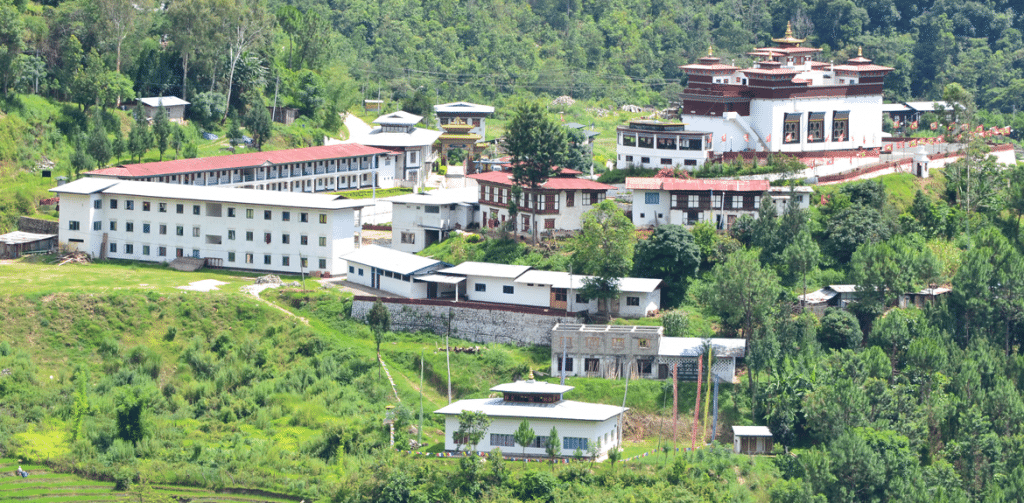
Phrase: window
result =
(480, 287)
(113, 247)
(539, 441)
(757, 202)
(430, 208)
(212, 239)
(267, 214)
(113, 204)
(628, 140)
(816, 127)
(304, 263)
(508, 289)
(574, 443)
(351, 269)
(643, 365)
(286, 260)
(303, 239)
(179, 209)
(162, 207)
(286, 216)
(304, 217)
(73, 225)
(97, 226)
(248, 213)
(592, 365)
(652, 198)
(502, 440)
(632, 301)
(231, 214)
(266, 259)
(145, 207)
(195, 209)
(195, 232)
(323, 218)
(162, 251)
(618, 343)
(113, 225)
(568, 364)
(570, 199)
(580, 299)
(163, 229)
(231, 256)
(248, 258)
(549, 223)
(285, 238)
(266, 238)
(645, 160)
(129, 204)
(408, 238)
(323, 240)
(360, 271)
(643, 343)
(737, 202)
(231, 235)
(129, 226)
(145, 249)
(791, 128)
(322, 263)
(145, 228)
(840, 125)
(179, 230)
(129, 249)
(97, 204)
(248, 235)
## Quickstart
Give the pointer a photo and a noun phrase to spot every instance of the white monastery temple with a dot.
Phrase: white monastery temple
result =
(787, 102)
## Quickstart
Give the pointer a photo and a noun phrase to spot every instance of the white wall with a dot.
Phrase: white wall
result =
(768, 116)
(567, 218)
(494, 291)
(647, 214)
(412, 218)
(606, 431)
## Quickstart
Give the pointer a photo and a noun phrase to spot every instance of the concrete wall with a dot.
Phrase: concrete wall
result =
(604, 431)
(519, 327)
(37, 226)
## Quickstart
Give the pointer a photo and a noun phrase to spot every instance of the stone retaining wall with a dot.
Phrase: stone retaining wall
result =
(471, 323)
(37, 226)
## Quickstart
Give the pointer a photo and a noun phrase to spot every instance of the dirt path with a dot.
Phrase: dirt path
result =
(255, 290)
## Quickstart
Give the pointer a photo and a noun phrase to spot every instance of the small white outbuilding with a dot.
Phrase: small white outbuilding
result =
(752, 440)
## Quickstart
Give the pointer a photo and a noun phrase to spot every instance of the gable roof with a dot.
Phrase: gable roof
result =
(392, 260)
(487, 269)
(236, 161)
(463, 106)
(554, 183)
(694, 346)
(560, 279)
(400, 117)
(564, 409)
(697, 184)
(468, 195)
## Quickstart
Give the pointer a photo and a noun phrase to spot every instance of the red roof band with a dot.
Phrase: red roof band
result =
(249, 160)
(691, 184)
(556, 183)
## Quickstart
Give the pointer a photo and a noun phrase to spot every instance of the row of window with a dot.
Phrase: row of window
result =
(664, 161)
(212, 210)
(482, 287)
(498, 195)
(662, 143)
(179, 230)
(792, 132)
(568, 443)
(249, 257)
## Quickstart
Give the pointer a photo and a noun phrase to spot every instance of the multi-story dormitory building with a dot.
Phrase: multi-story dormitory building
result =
(242, 229)
(312, 169)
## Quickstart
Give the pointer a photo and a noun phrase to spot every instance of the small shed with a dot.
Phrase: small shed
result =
(752, 440)
(283, 115)
(14, 244)
(174, 105)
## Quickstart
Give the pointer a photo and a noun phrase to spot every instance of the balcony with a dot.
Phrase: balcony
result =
(236, 179)
(271, 176)
(319, 171)
(249, 178)
(261, 176)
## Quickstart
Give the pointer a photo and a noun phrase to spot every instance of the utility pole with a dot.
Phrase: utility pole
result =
(448, 354)
(419, 431)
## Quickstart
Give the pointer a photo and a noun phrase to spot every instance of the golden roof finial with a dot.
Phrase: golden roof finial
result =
(860, 52)
(531, 374)
(789, 29)
(789, 39)
(709, 49)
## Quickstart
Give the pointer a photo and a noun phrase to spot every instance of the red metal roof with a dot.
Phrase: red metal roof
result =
(695, 184)
(864, 68)
(505, 178)
(238, 161)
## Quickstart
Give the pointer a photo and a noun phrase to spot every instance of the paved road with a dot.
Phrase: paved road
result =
(357, 129)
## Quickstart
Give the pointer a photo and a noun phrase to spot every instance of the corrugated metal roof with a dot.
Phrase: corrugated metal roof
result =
(487, 269)
(236, 161)
(560, 279)
(439, 278)
(400, 117)
(751, 431)
(417, 138)
(844, 288)
(694, 346)
(391, 260)
(463, 106)
(697, 184)
(166, 101)
(212, 194)
(18, 237)
(443, 196)
(565, 409)
(554, 183)
(531, 387)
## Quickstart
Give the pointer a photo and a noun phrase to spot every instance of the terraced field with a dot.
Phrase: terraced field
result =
(43, 486)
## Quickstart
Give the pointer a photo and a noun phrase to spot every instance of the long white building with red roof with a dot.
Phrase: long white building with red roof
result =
(313, 169)
(786, 102)
(561, 201)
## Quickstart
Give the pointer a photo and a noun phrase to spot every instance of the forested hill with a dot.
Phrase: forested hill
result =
(312, 53)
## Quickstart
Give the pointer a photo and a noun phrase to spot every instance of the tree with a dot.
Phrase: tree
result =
(1015, 196)
(553, 447)
(741, 291)
(131, 406)
(290, 20)
(208, 107)
(988, 289)
(315, 42)
(140, 138)
(120, 18)
(195, 31)
(419, 103)
(537, 145)
(524, 436)
(472, 427)
(676, 323)
(11, 42)
(118, 145)
(161, 129)
(250, 25)
(839, 330)
(604, 249)
(975, 181)
(98, 145)
(379, 319)
(801, 256)
(852, 226)
(258, 122)
(177, 139)
(885, 270)
(671, 255)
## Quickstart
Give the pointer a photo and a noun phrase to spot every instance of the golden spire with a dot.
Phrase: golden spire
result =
(709, 50)
(860, 52)
(789, 29)
(788, 39)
